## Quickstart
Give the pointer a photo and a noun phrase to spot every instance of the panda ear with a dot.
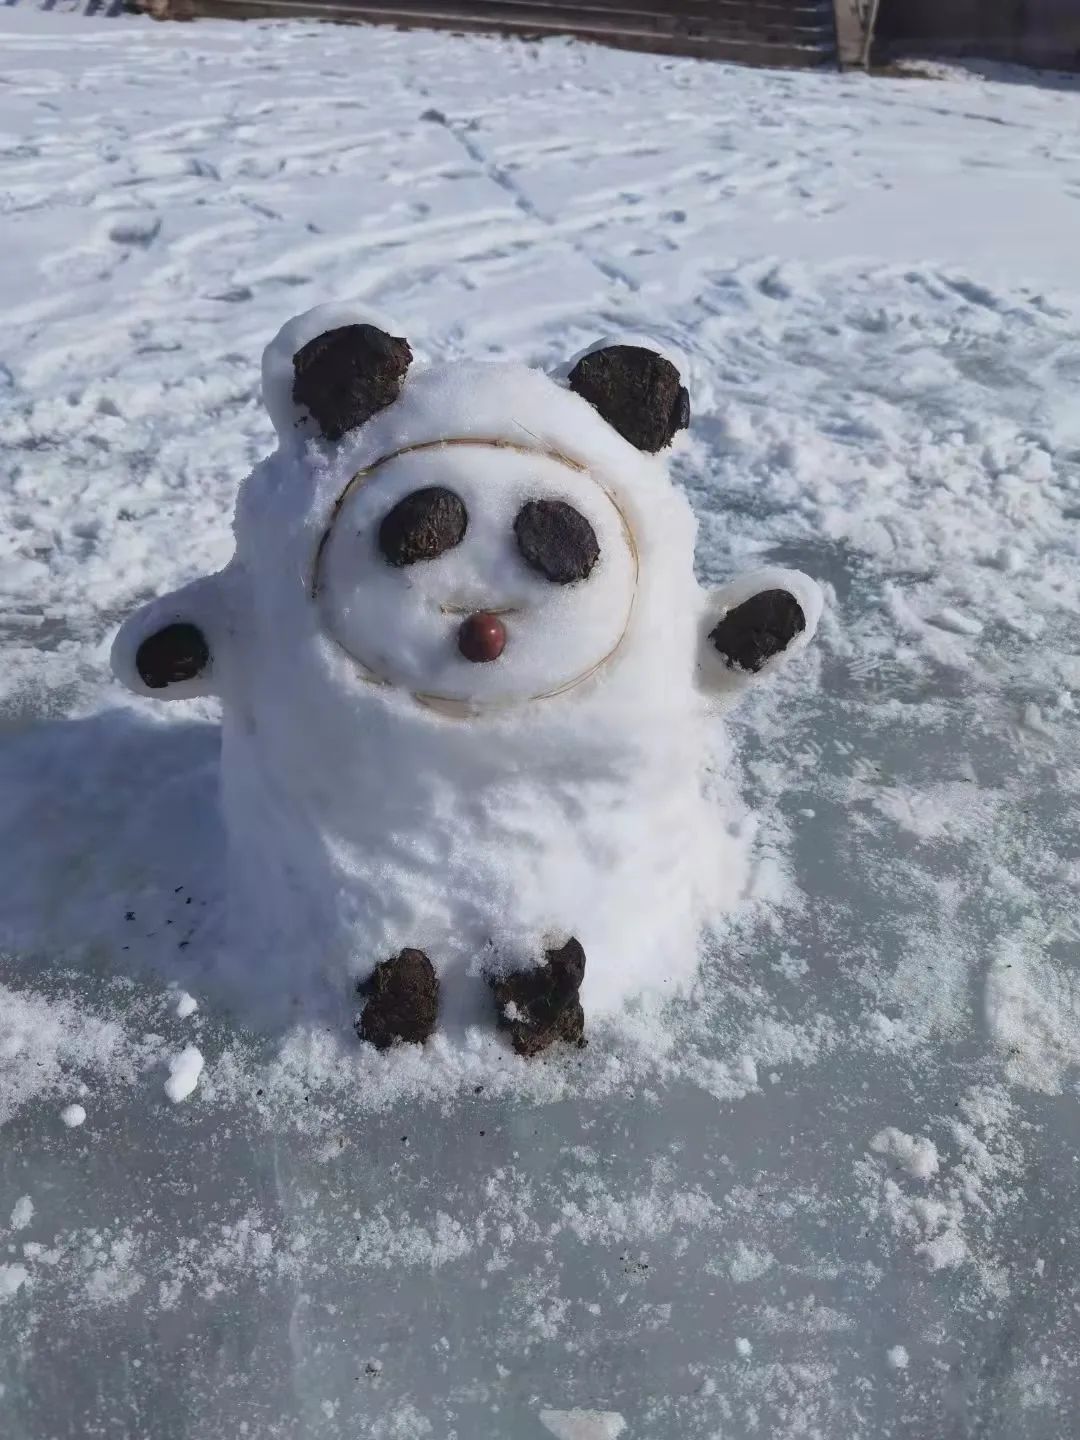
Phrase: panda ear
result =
(637, 391)
(345, 376)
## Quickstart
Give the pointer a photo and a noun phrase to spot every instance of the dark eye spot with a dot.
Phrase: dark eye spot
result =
(423, 526)
(556, 540)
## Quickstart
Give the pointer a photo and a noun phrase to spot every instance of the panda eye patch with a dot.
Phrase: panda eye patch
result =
(556, 540)
(423, 526)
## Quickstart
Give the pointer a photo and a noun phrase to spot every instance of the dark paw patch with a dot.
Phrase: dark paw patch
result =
(761, 627)
(345, 376)
(636, 391)
(402, 1003)
(539, 1007)
(178, 652)
(423, 526)
(556, 540)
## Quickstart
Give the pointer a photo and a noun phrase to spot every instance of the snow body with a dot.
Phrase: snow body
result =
(379, 790)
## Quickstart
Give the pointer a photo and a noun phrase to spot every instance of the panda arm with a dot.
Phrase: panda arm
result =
(753, 625)
(170, 649)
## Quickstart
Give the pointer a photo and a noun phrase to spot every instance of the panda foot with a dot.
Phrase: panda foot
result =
(403, 1001)
(539, 1007)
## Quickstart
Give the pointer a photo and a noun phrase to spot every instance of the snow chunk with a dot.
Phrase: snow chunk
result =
(743, 1346)
(948, 618)
(918, 1156)
(897, 1357)
(747, 1264)
(72, 1116)
(184, 1072)
(22, 1213)
(186, 1005)
(945, 1252)
(583, 1424)
(12, 1279)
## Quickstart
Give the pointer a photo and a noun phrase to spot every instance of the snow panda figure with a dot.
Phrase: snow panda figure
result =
(466, 673)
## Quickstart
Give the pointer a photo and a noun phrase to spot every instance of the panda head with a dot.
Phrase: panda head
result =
(476, 532)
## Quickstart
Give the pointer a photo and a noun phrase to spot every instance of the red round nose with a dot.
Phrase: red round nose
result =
(482, 638)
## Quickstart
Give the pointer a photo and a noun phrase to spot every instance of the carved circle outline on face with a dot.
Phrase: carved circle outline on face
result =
(447, 704)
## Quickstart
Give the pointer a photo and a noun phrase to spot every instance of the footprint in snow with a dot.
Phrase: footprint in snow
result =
(135, 230)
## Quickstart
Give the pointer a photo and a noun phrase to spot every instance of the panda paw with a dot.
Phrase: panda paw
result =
(172, 655)
(754, 624)
(751, 634)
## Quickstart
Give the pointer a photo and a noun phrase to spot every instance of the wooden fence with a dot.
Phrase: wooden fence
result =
(757, 32)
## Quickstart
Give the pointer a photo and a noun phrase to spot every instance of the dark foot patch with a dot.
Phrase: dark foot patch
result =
(541, 1006)
(637, 392)
(758, 629)
(346, 376)
(403, 1001)
(178, 652)
(556, 540)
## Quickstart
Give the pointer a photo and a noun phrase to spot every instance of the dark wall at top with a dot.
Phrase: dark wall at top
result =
(1032, 32)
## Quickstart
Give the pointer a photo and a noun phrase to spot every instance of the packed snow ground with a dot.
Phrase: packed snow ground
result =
(841, 1199)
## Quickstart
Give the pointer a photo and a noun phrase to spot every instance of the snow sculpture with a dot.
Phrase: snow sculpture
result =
(465, 670)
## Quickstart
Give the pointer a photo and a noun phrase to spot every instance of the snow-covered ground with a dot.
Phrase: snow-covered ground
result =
(840, 1199)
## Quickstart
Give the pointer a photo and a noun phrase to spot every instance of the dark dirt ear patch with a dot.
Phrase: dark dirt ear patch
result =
(177, 652)
(540, 1007)
(763, 626)
(345, 376)
(403, 1001)
(637, 391)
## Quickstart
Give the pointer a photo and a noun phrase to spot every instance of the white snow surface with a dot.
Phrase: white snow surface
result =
(871, 287)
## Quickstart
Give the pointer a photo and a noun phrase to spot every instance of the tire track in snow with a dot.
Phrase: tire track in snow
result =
(463, 133)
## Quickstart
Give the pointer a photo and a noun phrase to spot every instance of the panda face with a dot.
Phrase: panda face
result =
(476, 574)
